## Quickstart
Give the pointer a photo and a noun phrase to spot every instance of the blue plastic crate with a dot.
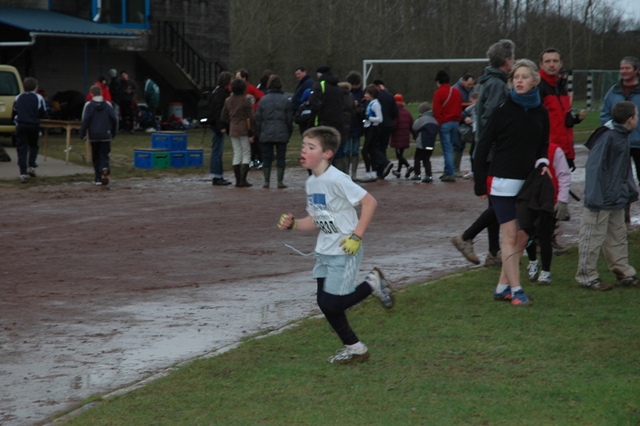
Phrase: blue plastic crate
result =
(146, 158)
(195, 157)
(171, 141)
(178, 159)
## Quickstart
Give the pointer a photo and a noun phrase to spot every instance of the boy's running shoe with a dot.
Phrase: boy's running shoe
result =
(596, 285)
(415, 177)
(409, 171)
(532, 270)
(347, 355)
(520, 299)
(387, 170)
(380, 287)
(396, 173)
(31, 172)
(503, 295)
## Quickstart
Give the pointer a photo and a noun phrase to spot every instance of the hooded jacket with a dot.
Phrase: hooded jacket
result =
(609, 183)
(402, 129)
(99, 120)
(426, 128)
(274, 118)
(303, 85)
(555, 98)
(327, 101)
(492, 89)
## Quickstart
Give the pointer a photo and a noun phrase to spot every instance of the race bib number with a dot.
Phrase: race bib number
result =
(324, 221)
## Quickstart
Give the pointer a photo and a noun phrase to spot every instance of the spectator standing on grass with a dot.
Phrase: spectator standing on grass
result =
(274, 124)
(627, 89)
(518, 134)
(128, 89)
(373, 118)
(331, 198)
(492, 87)
(465, 87)
(237, 113)
(426, 128)
(385, 128)
(28, 109)
(219, 129)
(100, 125)
(254, 94)
(304, 82)
(401, 136)
(609, 188)
(447, 109)
(555, 97)
(356, 127)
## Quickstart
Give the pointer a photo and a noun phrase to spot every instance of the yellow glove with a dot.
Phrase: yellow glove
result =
(351, 245)
(287, 222)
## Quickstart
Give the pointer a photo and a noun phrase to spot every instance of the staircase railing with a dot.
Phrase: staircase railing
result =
(171, 40)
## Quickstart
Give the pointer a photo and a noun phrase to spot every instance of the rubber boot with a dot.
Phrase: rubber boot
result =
(244, 171)
(353, 160)
(341, 164)
(236, 171)
(267, 176)
(281, 184)
(457, 158)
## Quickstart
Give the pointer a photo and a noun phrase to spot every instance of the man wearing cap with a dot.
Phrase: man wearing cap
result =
(326, 99)
(389, 113)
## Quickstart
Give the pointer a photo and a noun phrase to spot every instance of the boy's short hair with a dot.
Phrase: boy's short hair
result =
(274, 83)
(424, 107)
(372, 89)
(467, 76)
(328, 137)
(623, 111)
(30, 84)
(474, 95)
(95, 90)
(238, 86)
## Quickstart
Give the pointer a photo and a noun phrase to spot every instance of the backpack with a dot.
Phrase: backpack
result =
(204, 107)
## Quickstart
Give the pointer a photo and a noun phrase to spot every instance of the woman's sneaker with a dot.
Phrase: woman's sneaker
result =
(347, 355)
(544, 278)
(532, 270)
(520, 299)
(380, 287)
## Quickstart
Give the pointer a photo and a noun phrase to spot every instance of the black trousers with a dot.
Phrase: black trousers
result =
(27, 146)
(422, 156)
(369, 148)
(384, 134)
(333, 307)
(488, 220)
(100, 157)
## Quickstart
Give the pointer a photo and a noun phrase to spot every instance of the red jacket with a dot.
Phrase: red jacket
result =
(447, 104)
(106, 93)
(557, 101)
(402, 129)
(256, 93)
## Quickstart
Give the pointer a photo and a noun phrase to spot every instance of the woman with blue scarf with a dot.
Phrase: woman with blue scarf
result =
(513, 144)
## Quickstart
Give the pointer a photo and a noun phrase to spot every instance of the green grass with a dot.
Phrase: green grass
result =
(447, 354)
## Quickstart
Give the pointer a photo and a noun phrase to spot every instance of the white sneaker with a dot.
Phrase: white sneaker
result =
(468, 176)
(347, 355)
(544, 278)
(533, 269)
(380, 287)
(31, 172)
(24, 178)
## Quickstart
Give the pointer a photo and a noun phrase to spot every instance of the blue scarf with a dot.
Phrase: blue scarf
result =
(527, 101)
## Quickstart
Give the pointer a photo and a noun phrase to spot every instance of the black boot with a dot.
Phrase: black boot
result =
(281, 184)
(244, 171)
(267, 176)
(236, 171)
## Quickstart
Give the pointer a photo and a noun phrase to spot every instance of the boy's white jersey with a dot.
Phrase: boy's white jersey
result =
(331, 198)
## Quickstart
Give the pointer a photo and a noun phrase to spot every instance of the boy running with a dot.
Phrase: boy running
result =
(331, 197)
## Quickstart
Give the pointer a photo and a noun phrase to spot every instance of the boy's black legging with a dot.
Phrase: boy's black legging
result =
(333, 307)
(369, 148)
(422, 156)
(401, 160)
(544, 232)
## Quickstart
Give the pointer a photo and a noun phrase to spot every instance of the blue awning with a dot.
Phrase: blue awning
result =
(40, 22)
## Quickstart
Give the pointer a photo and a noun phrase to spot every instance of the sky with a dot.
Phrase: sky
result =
(632, 7)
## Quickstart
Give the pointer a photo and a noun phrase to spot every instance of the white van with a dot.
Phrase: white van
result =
(10, 87)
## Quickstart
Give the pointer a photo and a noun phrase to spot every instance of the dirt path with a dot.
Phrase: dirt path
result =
(101, 288)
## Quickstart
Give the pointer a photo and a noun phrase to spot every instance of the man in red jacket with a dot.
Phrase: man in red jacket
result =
(447, 110)
(557, 100)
